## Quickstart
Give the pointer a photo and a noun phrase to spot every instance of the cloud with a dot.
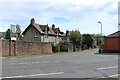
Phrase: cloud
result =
(72, 14)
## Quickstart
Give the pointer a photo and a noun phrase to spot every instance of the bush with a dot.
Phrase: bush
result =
(64, 46)
(56, 48)
(85, 47)
(63, 42)
(102, 46)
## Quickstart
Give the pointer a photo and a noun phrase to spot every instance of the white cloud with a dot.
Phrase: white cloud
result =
(83, 14)
(4, 26)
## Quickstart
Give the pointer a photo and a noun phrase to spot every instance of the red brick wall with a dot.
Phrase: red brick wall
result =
(26, 48)
(112, 43)
(5, 47)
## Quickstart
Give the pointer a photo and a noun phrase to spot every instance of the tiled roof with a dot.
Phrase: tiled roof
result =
(2, 33)
(40, 25)
(116, 34)
(42, 29)
(38, 28)
(63, 34)
(55, 30)
(51, 31)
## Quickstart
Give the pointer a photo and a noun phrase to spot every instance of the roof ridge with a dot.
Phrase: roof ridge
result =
(117, 32)
(40, 24)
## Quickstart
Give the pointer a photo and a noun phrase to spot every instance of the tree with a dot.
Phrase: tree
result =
(75, 37)
(7, 36)
(18, 32)
(87, 40)
(98, 38)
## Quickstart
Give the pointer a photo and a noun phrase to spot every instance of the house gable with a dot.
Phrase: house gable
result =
(30, 34)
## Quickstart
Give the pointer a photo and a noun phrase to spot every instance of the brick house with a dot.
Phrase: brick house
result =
(66, 35)
(2, 35)
(42, 33)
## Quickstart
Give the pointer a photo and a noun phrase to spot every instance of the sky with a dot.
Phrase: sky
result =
(82, 15)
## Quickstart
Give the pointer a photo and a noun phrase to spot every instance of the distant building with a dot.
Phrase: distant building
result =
(94, 42)
(42, 33)
(66, 35)
(2, 35)
(112, 42)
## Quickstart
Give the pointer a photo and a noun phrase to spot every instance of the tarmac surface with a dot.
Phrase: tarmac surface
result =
(84, 64)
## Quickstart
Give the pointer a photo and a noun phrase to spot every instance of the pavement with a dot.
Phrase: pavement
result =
(84, 64)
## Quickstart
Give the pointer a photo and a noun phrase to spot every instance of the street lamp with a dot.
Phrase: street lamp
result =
(101, 30)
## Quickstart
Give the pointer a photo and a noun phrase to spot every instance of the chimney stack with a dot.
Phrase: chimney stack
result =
(53, 25)
(67, 33)
(32, 21)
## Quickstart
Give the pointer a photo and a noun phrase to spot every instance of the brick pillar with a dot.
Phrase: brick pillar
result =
(0, 47)
(15, 48)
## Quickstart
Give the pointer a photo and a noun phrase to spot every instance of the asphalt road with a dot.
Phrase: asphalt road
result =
(83, 64)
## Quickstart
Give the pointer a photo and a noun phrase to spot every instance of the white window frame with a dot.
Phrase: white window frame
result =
(36, 34)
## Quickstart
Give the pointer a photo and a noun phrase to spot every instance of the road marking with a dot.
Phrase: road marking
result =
(105, 77)
(57, 61)
(24, 63)
(107, 68)
(34, 75)
(114, 75)
(12, 63)
(46, 62)
(36, 62)
(28, 62)
(2, 57)
(93, 79)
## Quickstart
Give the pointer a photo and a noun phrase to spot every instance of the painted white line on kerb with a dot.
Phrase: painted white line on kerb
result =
(107, 68)
(34, 75)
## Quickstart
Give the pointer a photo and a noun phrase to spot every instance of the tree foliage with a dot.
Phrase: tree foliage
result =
(98, 38)
(18, 32)
(7, 36)
(75, 37)
(87, 40)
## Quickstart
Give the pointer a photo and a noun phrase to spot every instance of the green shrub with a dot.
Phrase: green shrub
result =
(63, 42)
(102, 46)
(85, 47)
(56, 48)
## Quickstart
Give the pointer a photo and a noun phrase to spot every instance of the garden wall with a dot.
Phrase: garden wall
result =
(25, 48)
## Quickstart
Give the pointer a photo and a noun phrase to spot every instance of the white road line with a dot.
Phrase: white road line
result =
(107, 68)
(35, 62)
(46, 62)
(57, 61)
(34, 75)
(2, 57)
(28, 62)
(12, 63)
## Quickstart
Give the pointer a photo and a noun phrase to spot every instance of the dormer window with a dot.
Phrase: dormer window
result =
(36, 34)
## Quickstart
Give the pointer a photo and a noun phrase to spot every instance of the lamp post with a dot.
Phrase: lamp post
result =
(101, 30)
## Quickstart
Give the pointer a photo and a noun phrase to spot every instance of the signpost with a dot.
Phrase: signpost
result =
(13, 37)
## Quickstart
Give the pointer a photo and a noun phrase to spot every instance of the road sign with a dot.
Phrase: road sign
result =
(13, 36)
(13, 28)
